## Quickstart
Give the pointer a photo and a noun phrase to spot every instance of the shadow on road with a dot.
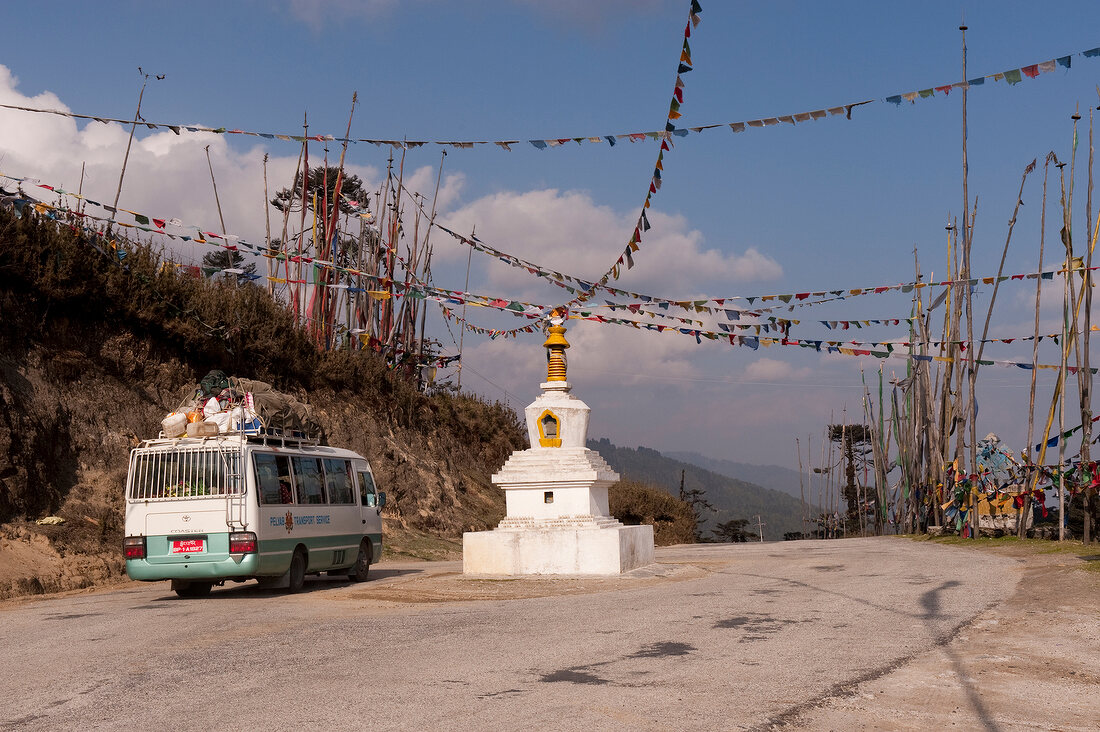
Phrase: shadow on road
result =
(933, 615)
(823, 590)
(313, 583)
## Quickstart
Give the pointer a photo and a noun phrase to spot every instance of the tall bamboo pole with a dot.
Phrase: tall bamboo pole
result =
(1072, 264)
(129, 143)
(1084, 373)
(267, 239)
(948, 414)
(1000, 270)
(462, 328)
(388, 319)
(1067, 284)
(1021, 526)
(217, 201)
(801, 487)
(80, 189)
(283, 246)
(428, 248)
(297, 289)
(822, 490)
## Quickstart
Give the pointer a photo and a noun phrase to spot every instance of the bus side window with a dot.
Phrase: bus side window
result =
(286, 493)
(366, 489)
(338, 482)
(308, 477)
(272, 478)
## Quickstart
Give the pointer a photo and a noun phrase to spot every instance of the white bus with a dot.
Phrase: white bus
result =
(200, 511)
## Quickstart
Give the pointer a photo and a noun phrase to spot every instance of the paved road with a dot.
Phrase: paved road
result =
(713, 636)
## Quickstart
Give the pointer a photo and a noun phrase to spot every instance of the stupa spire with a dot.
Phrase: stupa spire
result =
(555, 347)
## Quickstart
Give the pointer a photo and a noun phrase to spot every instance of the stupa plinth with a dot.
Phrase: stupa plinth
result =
(557, 519)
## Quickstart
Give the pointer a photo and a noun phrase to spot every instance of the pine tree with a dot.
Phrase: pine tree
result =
(220, 259)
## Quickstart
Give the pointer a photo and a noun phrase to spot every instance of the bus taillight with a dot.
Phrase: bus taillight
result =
(242, 542)
(133, 547)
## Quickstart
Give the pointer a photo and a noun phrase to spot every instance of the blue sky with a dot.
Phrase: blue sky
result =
(823, 205)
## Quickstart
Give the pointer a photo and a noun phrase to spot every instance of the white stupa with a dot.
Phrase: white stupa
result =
(557, 519)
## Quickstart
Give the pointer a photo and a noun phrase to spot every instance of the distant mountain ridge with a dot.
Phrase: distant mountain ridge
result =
(775, 477)
(733, 498)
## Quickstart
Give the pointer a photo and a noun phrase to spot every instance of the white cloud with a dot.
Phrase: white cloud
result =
(166, 175)
(569, 232)
(770, 369)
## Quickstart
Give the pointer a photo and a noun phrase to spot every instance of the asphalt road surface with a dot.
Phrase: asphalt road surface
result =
(711, 637)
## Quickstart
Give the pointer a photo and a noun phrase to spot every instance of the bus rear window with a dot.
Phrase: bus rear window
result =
(308, 478)
(184, 474)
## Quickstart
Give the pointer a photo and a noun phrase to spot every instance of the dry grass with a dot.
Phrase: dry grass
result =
(1089, 554)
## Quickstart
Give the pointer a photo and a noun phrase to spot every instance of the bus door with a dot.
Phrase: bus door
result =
(370, 502)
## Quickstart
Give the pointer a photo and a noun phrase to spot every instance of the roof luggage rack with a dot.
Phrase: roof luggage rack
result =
(262, 436)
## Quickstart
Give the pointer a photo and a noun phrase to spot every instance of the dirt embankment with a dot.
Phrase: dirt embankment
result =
(67, 425)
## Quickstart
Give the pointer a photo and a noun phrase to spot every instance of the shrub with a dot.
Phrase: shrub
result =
(637, 503)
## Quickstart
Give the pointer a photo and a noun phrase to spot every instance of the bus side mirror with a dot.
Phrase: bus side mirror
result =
(381, 499)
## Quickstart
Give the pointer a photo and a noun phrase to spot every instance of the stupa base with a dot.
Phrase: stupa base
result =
(593, 548)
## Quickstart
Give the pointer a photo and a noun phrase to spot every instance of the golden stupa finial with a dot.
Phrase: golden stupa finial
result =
(555, 346)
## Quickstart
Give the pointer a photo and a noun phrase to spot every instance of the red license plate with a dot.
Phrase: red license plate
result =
(188, 546)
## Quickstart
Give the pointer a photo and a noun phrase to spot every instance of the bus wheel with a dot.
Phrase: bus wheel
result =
(358, 572)
(297, 571)
(184, 588)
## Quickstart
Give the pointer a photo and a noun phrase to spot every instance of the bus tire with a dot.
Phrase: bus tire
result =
(297, 571)
(183, 588)
(359, 570)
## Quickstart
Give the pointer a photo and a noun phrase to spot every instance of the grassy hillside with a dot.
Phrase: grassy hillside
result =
(94, 352)
(734, 499)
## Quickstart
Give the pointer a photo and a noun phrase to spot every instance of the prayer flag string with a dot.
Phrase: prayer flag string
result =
(1010, 76)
